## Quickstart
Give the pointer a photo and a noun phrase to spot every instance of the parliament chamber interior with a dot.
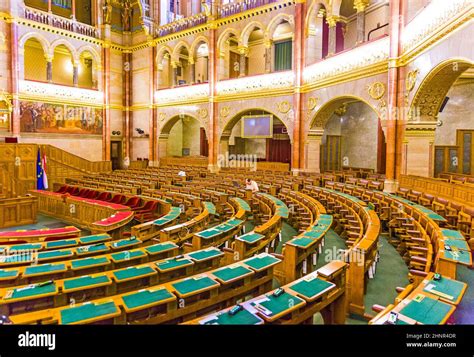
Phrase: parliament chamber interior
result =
(246, 162)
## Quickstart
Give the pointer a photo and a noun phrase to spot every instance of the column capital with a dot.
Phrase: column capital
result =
(243, 50)
(174, 64)
(191, 60)
(48, 58)
(333, 20)
(268, 43)
(361, 5)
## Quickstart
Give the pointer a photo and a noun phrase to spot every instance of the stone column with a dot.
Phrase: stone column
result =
(298, 152)
(192, 70)
(14, 79)
(174, 75)
(213, 138)
(313, 149)
(268, 56)
(360, 6)
(75, 73)
(244, 51)
(49, 68)
(394, 121)
(332, 22)
(418, 155)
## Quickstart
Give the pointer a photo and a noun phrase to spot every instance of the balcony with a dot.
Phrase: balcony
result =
(60, 22)
(188, 94)
(181, 24)
(270, 83)
(235, 8)
(41, 90)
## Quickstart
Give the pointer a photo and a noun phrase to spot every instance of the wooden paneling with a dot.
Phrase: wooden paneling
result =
(18, 211)
(461, 193)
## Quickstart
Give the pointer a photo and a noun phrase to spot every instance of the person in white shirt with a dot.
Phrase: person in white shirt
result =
(251, 185)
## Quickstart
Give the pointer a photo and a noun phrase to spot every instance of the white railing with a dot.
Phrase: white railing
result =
(346, 62)
(61, 93)
(264, 82)
(60, 22)
(182, 94)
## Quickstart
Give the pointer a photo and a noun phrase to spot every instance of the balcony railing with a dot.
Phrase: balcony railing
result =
(235, 8)
(60, 92)
(60, 22)
(181, 24)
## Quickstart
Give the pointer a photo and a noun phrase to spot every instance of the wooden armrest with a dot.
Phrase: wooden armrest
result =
(378, 308)
(418, 272)
(399, 289)
(419, 260)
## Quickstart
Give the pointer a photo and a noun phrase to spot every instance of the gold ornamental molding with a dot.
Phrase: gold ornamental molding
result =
(376, 90)
(284, 107)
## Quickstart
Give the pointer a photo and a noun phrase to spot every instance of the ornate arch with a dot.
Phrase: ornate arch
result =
(161, 52)
(277, 20)
(244, 37)
(325, 111)
(313, 9)
(196, 43)
(34, 35)
(166, 126)
(68, 45)
(177, 50)
(225, 35)
(434, 87)
(92, 51)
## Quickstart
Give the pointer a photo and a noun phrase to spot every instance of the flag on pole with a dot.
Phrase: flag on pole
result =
(39, 172)
(45, 177)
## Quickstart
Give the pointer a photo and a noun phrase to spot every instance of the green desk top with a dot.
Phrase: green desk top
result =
(457, 243)
(127, 255)
(126, 242)
(209, 233)
(231, 273)
(33, 290)
(242, 203)
(160, 247)
(314, 234)
(452, 234)
(88, 262)
(205, 254)
(191, 285)
(132, 272)
(170, 216)
(242, 317)
(211, 208)
(277, 305)
(428, 311)
(26, 246)
(172, 263)
(61, 243)
(100, 247)
(302, 242)
(311, 288)
(95, 239)
(146, 297)
(251, 237)
(8, 274)
(447, 286)
(44, 269)
(460, 256)
(87, 311)
(55, 254)
(86, 281)
(261, 262)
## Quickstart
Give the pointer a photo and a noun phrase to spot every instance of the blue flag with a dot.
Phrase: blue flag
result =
(39, 172)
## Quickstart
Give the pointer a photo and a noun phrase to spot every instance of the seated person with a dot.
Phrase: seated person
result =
(251, 185)
(182, 174)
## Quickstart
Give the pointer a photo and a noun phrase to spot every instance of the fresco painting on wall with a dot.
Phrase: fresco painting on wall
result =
(60, 119)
